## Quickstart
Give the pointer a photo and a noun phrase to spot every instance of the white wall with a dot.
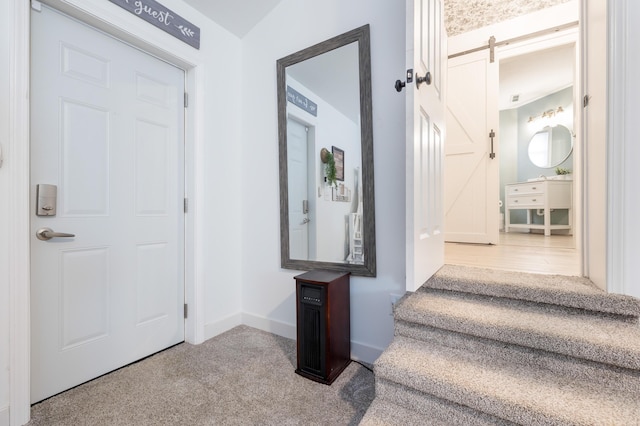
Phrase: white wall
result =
(5, 33)
(268, 291)
(623, 151)
(631, 131)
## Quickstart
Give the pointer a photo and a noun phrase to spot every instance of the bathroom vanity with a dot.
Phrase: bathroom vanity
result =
(538, 196)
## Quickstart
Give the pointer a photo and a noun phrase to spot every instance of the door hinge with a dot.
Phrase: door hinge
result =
(186, 310)
(186, 205)
(585, 101)
(186, 100)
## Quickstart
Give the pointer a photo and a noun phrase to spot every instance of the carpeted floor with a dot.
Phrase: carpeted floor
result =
(242, 377)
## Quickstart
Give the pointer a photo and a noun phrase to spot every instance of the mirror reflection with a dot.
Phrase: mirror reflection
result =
(550, 146)
(324, 107)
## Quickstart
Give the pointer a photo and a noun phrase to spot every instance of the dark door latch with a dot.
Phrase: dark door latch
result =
(401, 84)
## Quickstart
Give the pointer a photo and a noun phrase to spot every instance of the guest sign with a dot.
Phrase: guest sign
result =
(302, 101)
(163, 18)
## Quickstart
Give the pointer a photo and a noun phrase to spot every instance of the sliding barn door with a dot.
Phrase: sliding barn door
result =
(471, 190)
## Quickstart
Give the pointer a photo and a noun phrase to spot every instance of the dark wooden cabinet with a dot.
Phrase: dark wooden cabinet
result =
(323, 324)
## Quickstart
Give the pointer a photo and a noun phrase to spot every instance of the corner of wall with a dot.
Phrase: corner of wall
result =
(216, 328)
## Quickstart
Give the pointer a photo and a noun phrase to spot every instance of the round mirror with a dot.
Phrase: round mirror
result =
(550, 146)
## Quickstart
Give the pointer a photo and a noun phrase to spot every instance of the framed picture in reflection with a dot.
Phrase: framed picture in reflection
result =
(338, 158)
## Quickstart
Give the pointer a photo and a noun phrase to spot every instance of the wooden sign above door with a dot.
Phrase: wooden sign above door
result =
(163, 18)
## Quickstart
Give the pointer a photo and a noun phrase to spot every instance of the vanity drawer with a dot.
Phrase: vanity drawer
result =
(526, 188)
(525, 201)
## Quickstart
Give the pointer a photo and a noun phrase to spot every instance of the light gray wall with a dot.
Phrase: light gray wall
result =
(268, 291)
(526, 130)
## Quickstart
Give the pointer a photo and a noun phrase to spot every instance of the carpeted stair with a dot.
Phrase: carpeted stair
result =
(484, 347)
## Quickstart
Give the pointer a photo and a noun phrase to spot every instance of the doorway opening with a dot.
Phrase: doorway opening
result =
(538, 88)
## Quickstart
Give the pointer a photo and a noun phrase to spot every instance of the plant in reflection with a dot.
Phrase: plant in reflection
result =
(329, 167)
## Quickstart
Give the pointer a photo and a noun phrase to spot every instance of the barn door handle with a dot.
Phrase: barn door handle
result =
(45, 234)
(492, 135)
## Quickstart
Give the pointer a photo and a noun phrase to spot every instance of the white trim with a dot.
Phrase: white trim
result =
(272, 326)
(366, 353)
(102, 15)
(359, 351)
(616, 147)
(584, 257)
(18, 163)
(215, 328)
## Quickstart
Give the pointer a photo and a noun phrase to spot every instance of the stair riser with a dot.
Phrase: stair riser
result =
(436, 409)
(456, 313)
(598, 374)
(476, 401)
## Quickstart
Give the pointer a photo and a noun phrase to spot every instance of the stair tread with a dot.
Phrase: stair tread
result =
(518, 392)
(593, 337)
(560, 290)
(437, 410)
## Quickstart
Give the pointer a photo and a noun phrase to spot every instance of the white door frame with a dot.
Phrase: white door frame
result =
(138, 33)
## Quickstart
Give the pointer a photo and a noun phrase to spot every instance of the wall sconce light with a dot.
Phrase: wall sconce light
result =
(549, 117)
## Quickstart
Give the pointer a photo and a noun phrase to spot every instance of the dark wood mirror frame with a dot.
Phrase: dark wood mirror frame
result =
(368, 269)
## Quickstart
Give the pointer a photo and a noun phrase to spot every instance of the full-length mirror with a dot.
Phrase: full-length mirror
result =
(327, 217)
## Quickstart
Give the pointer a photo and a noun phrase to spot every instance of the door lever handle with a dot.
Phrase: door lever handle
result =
(45, 234)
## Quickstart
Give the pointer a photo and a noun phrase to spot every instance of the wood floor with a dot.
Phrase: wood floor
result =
(555, 254)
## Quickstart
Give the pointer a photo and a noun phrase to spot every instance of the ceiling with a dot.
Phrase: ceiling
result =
(237, 16)
(535, 75)
(529, 76)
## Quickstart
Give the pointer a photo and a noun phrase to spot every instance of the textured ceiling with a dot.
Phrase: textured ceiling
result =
(466, 15)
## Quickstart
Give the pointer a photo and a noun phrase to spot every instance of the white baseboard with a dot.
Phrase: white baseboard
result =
(215, 328)
(265, 324)
(4, 416)
(364, 352)
(359, 351)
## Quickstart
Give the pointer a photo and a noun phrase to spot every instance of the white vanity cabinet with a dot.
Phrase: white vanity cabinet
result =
(537, 196)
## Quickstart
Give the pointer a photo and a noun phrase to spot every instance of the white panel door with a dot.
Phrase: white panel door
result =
(426, 47)
(107, 130)
(297, 173)
(471, 176)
